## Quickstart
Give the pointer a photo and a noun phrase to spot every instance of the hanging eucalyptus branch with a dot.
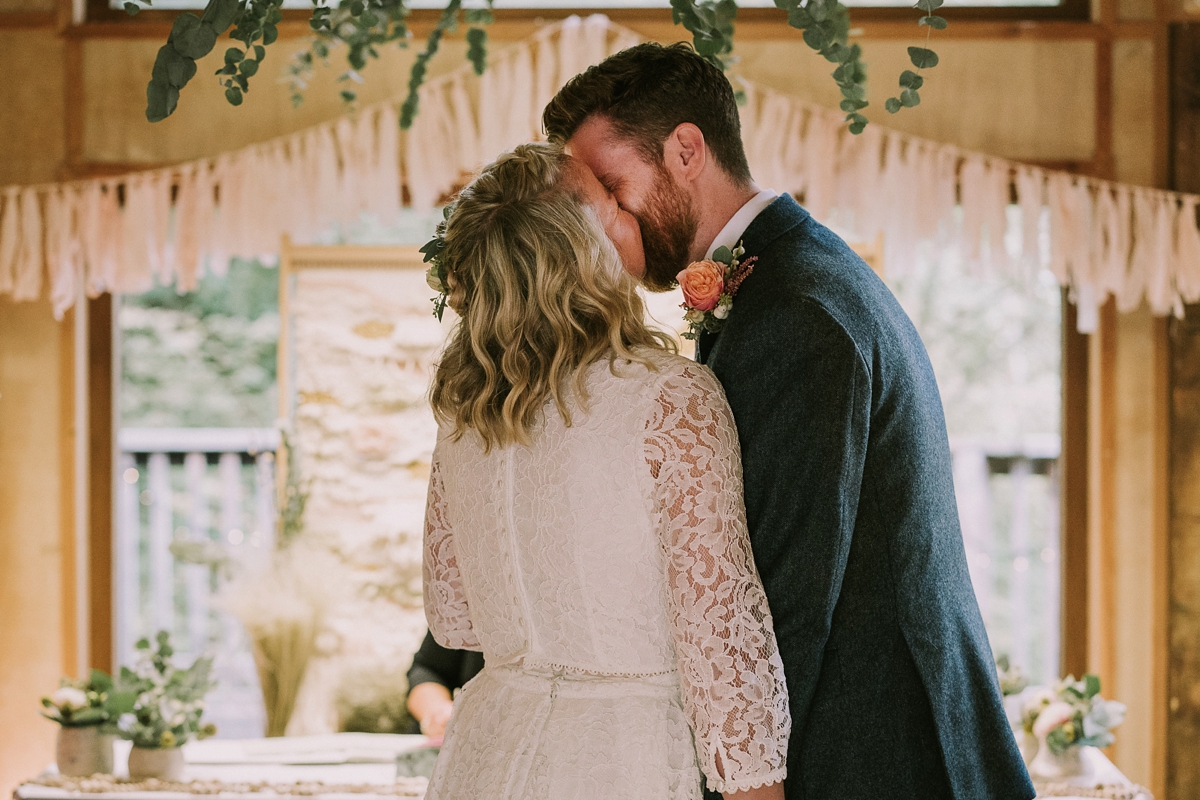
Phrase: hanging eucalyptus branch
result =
(363, 26)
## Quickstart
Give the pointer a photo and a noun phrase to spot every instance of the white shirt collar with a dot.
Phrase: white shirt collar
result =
(739, 222)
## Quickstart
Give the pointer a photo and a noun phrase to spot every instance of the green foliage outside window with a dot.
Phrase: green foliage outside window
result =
(205, 358)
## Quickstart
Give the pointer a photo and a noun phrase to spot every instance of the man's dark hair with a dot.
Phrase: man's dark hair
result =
(647, 91)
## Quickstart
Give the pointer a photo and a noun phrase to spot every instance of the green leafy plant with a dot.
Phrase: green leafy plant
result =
(87, 703)
(364, 26)
(169, 701)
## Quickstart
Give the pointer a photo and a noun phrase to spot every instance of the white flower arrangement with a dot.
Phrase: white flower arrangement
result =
(86, 703)
(1073, 714)
(170, 701)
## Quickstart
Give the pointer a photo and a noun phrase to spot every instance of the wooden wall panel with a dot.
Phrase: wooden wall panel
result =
(1132, 10)
(1183, 740)
(1135, 133)
(32, 616)
(994, 96)
(31, 118)
(115, 72)
(27, 6)
(1140, 575)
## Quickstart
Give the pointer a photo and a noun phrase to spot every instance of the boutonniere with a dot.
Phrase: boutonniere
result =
(709, 287)
(436, 276)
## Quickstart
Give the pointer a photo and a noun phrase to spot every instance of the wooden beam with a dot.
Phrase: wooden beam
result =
(67, 473)
(22, 20)
(1102, 426)
(73, 102)
(101, 442)
(753, 25)
(1073, 466)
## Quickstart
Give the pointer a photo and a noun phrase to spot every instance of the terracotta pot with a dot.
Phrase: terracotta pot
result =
(84, 751)
(164, 763)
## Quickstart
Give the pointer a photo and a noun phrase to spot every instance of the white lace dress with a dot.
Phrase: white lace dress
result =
(606, 574)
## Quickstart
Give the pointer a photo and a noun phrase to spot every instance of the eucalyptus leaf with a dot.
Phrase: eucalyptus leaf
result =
(922, 58)
(892, 104)
(929, 6)
(161, 100)
(221, 13)
(909, 98)
(132, 9)
(911, 80)
(799, 18)
(180, 72)
(815, 38)
(937, 23)
(249, 67)
(233, 55)
(193, 38)
(723, 255)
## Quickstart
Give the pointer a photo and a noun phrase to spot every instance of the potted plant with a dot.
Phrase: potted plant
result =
(1065, 720)
(167, 711)
(86, 711)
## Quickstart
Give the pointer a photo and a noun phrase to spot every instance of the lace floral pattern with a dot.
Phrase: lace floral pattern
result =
(445, 604)
(605, 573)
(732, 673)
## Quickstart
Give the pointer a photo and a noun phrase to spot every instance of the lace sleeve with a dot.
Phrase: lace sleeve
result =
(731, 671)
(445, 601)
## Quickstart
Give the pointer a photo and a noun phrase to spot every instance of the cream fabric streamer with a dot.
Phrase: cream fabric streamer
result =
(545, 72)
(62, 247)
(594, 45)
(973, 183)
(522, 111)
(10, 228)
(30, 261)
(1187, 252)
(390, 193)
(1160, 287)
(1136, 275)
(121, 234)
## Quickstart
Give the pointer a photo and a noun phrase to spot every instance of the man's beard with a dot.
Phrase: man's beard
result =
(668, 226)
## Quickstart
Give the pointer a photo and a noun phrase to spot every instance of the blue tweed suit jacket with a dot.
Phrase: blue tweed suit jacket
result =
(855, 529)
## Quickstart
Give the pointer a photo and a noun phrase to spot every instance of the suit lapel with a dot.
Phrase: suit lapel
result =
(781, 216)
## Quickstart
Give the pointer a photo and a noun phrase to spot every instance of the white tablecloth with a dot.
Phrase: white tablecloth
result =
(362, 759)
(338, 759)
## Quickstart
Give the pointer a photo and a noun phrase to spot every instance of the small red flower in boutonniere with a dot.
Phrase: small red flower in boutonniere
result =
(709, 287)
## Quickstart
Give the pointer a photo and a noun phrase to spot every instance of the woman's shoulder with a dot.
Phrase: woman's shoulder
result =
(668, 374)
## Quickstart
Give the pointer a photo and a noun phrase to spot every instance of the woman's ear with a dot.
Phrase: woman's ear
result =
(685, 153)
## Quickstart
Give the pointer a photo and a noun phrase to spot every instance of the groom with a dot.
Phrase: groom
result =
(848, 486)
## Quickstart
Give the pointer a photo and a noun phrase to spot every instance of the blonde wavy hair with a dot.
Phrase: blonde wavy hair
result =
(541, 295)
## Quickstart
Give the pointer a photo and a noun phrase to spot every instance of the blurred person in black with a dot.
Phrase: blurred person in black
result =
(436, 673)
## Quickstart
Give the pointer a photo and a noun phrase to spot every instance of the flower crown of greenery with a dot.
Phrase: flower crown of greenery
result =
(436, 275)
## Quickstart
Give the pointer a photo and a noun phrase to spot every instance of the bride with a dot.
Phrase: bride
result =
(585, 526)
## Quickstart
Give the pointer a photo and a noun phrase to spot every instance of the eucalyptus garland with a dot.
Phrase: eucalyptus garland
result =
(365, 26)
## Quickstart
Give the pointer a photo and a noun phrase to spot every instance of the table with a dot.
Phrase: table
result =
(343, 766)
(362, 766)
(1103, 773)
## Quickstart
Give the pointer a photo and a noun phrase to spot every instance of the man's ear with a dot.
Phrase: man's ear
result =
(685, 153)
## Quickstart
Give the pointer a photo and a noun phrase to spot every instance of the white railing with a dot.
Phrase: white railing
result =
(208, 494)
(1008, 504)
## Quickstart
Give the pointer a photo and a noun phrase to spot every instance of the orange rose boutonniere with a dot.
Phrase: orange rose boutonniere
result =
(708, 289)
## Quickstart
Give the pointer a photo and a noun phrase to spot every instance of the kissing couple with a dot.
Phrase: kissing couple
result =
(739, 578)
